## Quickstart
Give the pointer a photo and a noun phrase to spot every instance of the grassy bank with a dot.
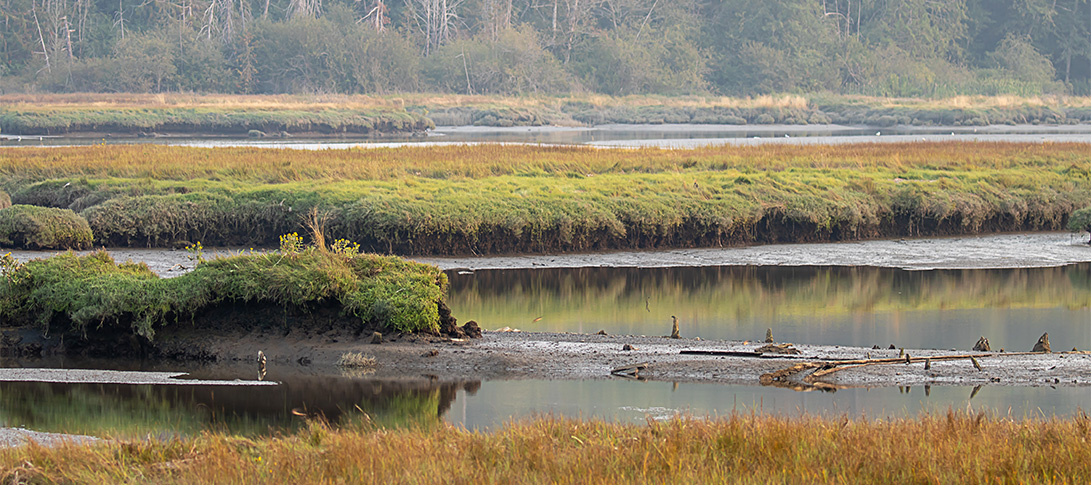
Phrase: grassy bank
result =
(149, 115)
(955, 448)
(763, 110)
(70, 293)
(334, 114)
(495, 199)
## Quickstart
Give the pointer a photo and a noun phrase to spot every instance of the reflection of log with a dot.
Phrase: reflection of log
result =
(728, 353)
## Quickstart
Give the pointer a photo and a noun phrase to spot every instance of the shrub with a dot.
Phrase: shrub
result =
(1080, 220)
(33, 227)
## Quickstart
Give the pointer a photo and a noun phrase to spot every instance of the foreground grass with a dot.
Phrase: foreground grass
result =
(92, 292)
(492, 199)
(954, 448)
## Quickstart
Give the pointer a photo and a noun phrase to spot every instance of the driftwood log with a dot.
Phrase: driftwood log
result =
(825, 368)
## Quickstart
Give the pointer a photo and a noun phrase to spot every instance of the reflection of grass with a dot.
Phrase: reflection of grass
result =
(519, 198)
(569, 297)
(123, 411)
(85, 410)
(746, 449)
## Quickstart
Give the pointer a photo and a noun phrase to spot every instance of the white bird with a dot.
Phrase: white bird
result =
(877, 133)
(786, 136)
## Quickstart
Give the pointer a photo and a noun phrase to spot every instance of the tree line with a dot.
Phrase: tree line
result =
(616, 47)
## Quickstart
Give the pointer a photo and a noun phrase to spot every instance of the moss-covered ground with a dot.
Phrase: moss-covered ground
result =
(93, 293)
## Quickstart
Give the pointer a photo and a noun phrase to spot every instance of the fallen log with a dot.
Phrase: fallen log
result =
(629, 370)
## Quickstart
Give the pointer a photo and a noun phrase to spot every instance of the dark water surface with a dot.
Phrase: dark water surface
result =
(812, 305)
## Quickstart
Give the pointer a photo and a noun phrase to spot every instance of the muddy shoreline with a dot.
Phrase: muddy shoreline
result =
(992, 251)
(571, 356)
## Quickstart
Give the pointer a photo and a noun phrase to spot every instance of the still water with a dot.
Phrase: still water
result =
(857, 305)
(138, 411)
(814, 305)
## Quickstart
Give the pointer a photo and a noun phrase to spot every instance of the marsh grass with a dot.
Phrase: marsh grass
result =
(137, 113)
(92, 292)
(61, 113)
(34, 227)
(489, 199)
(934, 448)
(356, 360)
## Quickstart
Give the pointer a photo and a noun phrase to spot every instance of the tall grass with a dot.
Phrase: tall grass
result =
(934, 448)
(489, 199)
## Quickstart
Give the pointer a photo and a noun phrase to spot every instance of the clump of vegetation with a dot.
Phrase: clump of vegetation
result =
(356, 360)
(93, 291)
(32, 227)
(1080, 221)
(747, 448)
(5, 200)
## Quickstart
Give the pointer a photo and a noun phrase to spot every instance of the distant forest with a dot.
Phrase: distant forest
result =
(929, 48)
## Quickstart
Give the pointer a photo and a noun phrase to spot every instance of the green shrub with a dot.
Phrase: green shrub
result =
(94, 291)
(1080, 220)
(33, 227)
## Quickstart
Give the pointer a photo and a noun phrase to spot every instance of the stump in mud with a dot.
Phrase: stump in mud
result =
(1043, 344)
(674, 331)
(376, 338)
(769, 336)
(471, 329)
(982, 345)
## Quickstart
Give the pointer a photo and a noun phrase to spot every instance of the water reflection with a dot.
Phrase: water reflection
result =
(862, 306)
(140, 410)
(128, 411)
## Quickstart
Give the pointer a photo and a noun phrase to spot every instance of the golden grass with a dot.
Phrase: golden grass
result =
(444, 100)
(952, 448)
(224, 101)
(257, 165)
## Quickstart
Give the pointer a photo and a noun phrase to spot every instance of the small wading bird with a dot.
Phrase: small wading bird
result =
(261, 365)
(674, 330)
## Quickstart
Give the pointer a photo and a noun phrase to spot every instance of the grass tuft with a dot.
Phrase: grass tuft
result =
(33, 227)
(356, 360)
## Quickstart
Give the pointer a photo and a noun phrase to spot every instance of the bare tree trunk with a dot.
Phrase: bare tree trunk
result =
(45, 52)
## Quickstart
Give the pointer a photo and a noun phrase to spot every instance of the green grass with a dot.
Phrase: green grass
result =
(198, 120)
(952, 448)
(93, 291)
(495, 199)
(34, 227)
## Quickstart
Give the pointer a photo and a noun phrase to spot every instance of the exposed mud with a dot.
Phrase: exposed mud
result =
(996, 251)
